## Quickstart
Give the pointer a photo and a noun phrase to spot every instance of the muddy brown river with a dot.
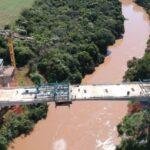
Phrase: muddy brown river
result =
(92, 125)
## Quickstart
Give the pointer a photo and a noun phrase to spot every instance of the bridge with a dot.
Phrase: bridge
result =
(66, 93)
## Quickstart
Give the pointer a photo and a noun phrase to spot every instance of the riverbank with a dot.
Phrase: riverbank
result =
(92, 125)
(134, 128)
(115, 65)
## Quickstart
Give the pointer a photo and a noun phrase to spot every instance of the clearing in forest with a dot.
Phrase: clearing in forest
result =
(11, 9)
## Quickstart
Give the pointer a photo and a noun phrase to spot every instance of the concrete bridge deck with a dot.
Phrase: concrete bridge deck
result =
(27, 95)
(110, 92)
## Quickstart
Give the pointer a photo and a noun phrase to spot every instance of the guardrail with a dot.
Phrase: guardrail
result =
(121, 98)
(76, 85)
(51, 99)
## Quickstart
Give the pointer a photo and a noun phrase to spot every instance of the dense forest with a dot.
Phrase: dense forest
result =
(135, 127)
(70, 37)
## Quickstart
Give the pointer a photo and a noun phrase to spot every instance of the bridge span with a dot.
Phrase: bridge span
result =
(62, 93)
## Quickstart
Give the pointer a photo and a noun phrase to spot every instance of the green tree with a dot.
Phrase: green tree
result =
(103, 38)
(86, 62)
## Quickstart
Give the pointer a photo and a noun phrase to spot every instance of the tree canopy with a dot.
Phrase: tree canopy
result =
(65, 32)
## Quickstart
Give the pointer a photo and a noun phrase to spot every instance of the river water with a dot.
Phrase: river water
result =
(92, 125)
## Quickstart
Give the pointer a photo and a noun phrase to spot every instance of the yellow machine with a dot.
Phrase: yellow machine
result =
(9, 36)
(11, 50)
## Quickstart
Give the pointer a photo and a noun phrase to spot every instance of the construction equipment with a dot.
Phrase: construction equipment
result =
(9, 36)
(11, 50)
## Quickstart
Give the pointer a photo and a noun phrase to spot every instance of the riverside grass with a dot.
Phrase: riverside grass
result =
(11, 9)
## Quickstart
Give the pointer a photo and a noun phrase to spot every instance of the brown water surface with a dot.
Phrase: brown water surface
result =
(137, 30)
(92, 125)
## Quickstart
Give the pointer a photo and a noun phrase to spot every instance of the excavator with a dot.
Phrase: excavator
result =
(9, 36)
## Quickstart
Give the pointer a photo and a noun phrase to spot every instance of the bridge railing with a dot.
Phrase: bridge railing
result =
(18, 87)
(21, 102)
(123, 98)
(121, 83)
(53, 84)
(51, 99)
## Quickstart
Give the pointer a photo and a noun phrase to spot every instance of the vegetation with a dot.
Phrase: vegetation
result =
(140, 68)
(70, 37)
(19, 120)
(145, 4)
(135, 131)
(21, 77)
(135, 127)
(11, 9)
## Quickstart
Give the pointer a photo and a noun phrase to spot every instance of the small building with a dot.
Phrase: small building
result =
(6, 73)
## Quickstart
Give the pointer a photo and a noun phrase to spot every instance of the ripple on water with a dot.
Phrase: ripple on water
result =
(106, 145)
(60, 145)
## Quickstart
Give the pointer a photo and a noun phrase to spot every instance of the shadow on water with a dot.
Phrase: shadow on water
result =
(108, 52)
